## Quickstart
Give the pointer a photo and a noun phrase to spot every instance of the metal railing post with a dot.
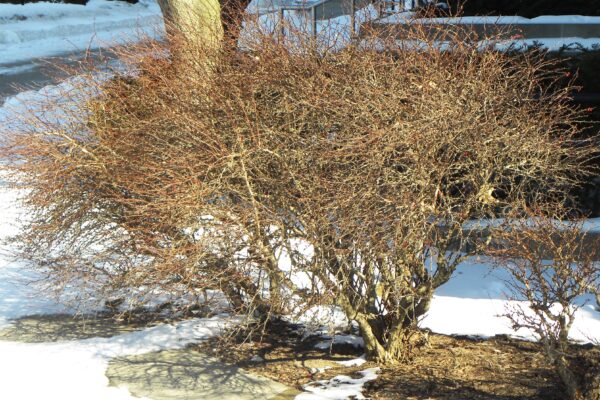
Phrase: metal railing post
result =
(281, 25)
(313, 17)
(352, 18)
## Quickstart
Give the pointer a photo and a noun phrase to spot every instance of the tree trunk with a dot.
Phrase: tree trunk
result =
(232, 15)
(569, 379)
(198, 20)
(387, 350)
(387, 340)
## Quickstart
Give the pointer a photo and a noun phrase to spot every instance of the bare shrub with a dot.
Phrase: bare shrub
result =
(552, 264)
(294, 178)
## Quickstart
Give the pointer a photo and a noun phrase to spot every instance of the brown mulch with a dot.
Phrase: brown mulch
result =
(286, 356)
(463, 368)
(447, 368)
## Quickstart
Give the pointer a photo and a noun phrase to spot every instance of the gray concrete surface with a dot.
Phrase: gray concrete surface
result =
(189, 375)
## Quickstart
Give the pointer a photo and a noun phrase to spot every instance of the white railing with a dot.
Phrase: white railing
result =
(311, 9)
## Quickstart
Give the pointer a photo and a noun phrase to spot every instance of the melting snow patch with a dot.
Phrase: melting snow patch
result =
(354, 362)
(319, 370)
(341, 387)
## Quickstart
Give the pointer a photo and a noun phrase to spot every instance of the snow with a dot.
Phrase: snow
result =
(338, 388)
(76, 370)
(45, 29)
(355, 362)
(18, 297)
(474, 300)
(591, 225)
(320, 319)
(498, 20)
(587, 226)
(552, 44)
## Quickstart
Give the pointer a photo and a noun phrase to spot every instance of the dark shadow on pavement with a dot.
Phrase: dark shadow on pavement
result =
(64, 327)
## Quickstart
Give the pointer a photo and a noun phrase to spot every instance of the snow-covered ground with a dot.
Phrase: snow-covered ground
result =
(44, 29)
(17, 297)
(71, 370)
(75, 370)
(472, 303)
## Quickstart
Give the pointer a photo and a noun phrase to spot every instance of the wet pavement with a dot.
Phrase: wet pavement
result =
(39, 72)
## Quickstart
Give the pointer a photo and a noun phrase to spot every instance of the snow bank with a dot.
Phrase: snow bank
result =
(590, 225)
(552, 44)
(45, 29)
(474, 300)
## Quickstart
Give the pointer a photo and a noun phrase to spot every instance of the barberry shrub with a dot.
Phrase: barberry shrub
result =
(288, 177)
